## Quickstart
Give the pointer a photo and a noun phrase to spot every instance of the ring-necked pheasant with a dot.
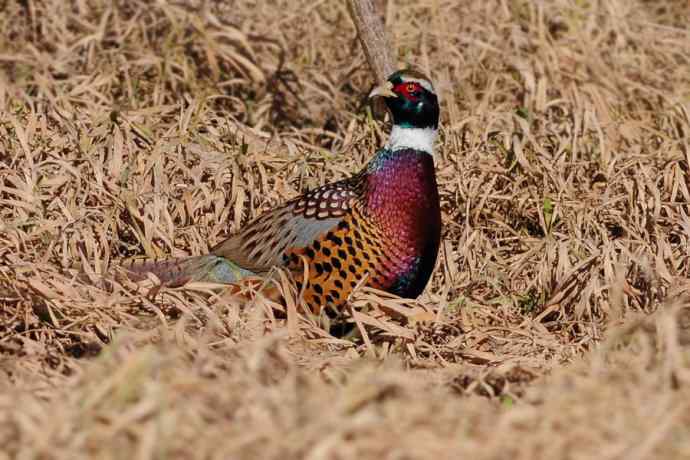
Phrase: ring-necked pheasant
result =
(384, 223)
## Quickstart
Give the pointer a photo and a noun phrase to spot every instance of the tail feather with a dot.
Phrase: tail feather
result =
(207, 268)
(177, 272)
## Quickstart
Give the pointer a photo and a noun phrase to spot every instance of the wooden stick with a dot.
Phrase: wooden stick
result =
(373, 38)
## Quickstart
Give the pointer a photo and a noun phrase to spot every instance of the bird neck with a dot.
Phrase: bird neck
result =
(408, 137)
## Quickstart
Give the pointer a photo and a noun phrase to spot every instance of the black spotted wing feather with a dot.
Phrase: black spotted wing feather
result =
(330, 201)
(267, 241)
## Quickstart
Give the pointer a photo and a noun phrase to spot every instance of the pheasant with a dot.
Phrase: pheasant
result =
(382, 225)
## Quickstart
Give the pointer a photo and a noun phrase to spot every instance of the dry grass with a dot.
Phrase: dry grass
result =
(561, 304)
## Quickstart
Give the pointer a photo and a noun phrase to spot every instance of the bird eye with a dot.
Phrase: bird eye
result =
(411, 87)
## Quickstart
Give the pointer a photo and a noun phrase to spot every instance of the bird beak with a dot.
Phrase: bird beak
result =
(384, 90)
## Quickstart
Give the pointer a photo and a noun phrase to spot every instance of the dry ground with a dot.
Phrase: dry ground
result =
(560, 319)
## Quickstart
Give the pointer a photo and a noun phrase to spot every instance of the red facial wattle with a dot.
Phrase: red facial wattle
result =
(409, 90)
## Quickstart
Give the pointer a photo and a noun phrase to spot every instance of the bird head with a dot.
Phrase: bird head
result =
(410, 98)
